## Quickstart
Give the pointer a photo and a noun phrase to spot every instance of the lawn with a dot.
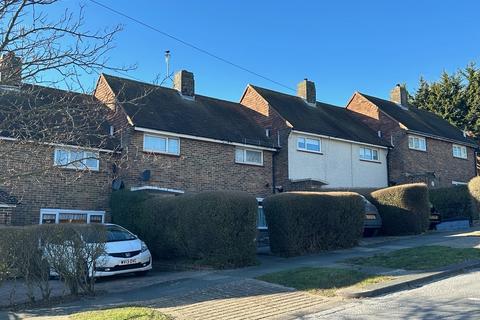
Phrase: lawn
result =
(419, 258)
(125, 313)
(323, 281)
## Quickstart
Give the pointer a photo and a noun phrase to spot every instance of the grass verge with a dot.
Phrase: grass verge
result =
(419, 258)
(124, 313)
(323, 281)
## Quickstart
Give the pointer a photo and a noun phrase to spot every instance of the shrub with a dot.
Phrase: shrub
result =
(217, 228)
(404, 209)
(474, 188)
(308, 222)
(452, 202)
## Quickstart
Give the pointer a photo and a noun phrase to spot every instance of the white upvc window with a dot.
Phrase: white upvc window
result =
(459, 183)
(161, 144)
(309, 144)
(76, 159)
(249, 156)
(417, 143)
(459, 151)
(53, 216)
(368, 154)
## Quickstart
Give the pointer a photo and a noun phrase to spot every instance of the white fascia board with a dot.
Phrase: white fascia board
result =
(70, 146)
(338, 139)
(3, 205)
(186, 136)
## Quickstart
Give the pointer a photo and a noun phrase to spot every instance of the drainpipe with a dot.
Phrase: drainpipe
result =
(388, 166)
(273, 172)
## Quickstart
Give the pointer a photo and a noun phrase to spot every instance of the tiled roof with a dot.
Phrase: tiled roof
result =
(420, 120)
(322, 119)
(160, 108)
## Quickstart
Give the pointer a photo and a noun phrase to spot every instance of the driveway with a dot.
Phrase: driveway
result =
(235, 294)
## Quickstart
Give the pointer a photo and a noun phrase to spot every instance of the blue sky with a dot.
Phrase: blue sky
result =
(343, 46)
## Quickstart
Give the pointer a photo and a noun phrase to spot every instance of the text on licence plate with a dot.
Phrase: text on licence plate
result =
(128, 261)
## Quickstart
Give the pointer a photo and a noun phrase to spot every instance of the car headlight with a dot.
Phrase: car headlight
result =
(144, 247)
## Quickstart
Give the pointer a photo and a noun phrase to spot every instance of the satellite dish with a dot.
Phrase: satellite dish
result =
(117, 184)
(146, 175)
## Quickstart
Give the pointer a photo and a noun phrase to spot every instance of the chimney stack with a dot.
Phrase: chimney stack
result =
(184, 83)
(10, 69)
(306, 91)
(399, 95)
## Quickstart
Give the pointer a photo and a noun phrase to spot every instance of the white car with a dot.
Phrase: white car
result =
(125, 253)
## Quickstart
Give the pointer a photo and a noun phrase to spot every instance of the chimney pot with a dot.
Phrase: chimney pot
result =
(306, 90)
(399, 95)
(10, 69)
(184, 83)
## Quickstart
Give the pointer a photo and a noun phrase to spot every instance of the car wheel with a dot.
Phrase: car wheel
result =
(141, 273)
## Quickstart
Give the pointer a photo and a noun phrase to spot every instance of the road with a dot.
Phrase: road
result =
(453, 298)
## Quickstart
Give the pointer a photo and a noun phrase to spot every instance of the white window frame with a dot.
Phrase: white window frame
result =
(260, 206)
(411, 138)
(167, 141)
(372, 150)
(79, 164)
(245, 156)
(459, 183)
(305, 148)
(463, 151)
(57, 213)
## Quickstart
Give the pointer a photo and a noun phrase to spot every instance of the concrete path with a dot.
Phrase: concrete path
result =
(229, 294)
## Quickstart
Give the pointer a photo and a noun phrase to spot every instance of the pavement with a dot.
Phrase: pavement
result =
(453, 298)
(235, 294)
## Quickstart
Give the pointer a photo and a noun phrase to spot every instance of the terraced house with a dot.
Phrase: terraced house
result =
(322, 146)
(426, 149)
(176, 141)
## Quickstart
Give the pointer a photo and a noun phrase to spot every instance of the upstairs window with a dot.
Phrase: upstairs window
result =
(309, 145)
(76, 159)
(459, 151)
(368, 154)
(161, 144)
(417, 143)
(248, 156)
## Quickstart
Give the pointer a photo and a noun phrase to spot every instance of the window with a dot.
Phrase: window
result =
(261, 220)
(76, 159)
(161, 144)
(417, 143)
(368, 154)
(310, 145)
(459, 183)
(459, 151)
(248, 156)
(52, 216)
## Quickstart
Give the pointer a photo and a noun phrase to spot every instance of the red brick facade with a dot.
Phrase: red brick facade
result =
(437, 166)
(45, 186)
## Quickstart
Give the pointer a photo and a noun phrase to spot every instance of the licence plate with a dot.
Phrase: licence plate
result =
(128, 261)
(371, 217)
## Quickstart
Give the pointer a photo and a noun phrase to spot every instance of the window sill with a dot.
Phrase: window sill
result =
(262, 228)
(161, 153)
(309, 151)
(77, 169)
(421, 150)
(371, 161)
(250, 164)
(460, 158)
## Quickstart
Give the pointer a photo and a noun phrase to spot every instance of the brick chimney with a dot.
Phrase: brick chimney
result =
(10, 69)
(399, 95)
(184, 83)
(306, 91)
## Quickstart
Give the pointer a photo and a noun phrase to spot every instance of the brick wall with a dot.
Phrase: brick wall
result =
(6, 216)
(406, 165)
(267, 117)
(201, 166)
(49, 187)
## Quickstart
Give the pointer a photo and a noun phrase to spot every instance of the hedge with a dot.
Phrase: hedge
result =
(452, 202)
(404, 209)
(474, 188)
(213, 228)
(309, 222)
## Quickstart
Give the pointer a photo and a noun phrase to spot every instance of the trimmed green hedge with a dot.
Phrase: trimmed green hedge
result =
(404, 209)
(452, 202)
(213, 228)
(309, 222)
(474, 188)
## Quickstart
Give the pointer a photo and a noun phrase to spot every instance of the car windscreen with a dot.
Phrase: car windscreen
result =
(116, 233)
